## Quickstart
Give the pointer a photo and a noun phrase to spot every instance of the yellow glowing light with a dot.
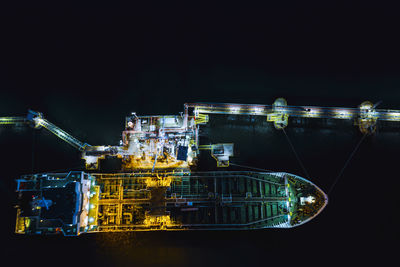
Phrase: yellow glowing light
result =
(158, 182)
(39, 121)
(366, 105)
(134, 162)
(393, 115)
(342, 114)
(163, 220)
(22, 223)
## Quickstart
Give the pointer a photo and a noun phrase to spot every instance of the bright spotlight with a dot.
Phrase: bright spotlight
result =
(234, 109)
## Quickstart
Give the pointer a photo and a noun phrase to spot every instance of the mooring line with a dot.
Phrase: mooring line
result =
(346, 163)
(249, 167)
(295, 153)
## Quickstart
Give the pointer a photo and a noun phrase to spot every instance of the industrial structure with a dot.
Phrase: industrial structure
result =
(158, 187)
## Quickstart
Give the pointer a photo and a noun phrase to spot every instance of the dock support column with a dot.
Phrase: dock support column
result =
(279, 115)
(366, 121)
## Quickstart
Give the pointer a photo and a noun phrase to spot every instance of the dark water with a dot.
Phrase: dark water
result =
(86, 68)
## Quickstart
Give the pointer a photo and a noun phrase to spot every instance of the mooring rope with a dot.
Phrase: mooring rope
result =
(295, 153)
(249, 167)
(346, 163)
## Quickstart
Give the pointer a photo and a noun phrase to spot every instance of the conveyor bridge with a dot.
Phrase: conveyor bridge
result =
(36, 120)
(365, 116)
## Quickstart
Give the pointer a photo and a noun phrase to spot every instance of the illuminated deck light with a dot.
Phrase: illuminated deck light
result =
(366, 105)
(38, 121)
(342, 114)
(234, 109)
(373, 114)
(313, 112)
(258, 110)
(281, 109)
(394, 116)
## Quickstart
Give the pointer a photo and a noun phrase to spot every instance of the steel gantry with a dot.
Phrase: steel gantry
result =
(365, 116)
(36, 120)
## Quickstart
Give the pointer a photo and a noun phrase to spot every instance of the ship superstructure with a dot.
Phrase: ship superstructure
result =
(160, 185)
(151, 142)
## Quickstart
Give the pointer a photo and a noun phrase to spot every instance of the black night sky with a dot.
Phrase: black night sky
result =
(86, 66)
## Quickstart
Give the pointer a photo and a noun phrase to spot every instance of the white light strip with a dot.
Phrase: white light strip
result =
(234, 109)
(342, 114)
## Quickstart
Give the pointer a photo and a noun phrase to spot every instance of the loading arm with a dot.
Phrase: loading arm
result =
(36, 120)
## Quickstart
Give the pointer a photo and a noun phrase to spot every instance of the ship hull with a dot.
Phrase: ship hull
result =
(145, 201)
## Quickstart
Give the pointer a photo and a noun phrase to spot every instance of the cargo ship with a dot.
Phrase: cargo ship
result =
(77, 202)
(160, 183)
